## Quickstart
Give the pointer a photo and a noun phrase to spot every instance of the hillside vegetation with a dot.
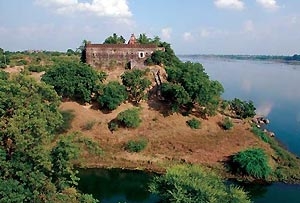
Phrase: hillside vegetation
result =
(71, 114)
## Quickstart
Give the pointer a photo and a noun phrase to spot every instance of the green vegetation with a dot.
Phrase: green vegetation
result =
(192, 184)
(130, 118)
(67, 116)
(194, 123)
(113, 125)
(4, 59)
(202, 91)
(136, 145)
(3, 75)
(74, 80)
(114, 39)
(176, 95)
(37, 68)
(287, 168)
(262, 135)
(243, 109)
(89, 125)
(227, 123)
(35, 165)
(165, 58)
(252, 162)
(112, 95)
(136, 83)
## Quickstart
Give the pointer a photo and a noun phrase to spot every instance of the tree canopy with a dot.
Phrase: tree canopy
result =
(136, 83)
(114, 39)
(30, 170)
(243, 109)
(200, 89)
(74, 80)
(112, 95)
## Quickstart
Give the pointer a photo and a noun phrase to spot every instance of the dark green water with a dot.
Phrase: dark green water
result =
(275, 90)
(117, 185)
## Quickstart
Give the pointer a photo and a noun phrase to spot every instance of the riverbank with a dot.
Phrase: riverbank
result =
(171, 141)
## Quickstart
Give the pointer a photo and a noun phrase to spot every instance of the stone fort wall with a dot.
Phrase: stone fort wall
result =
(108, 55)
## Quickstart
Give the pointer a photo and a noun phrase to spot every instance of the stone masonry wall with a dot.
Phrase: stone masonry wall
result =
(108, 55)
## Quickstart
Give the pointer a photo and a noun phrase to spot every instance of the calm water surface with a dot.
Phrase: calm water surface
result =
(275, 90)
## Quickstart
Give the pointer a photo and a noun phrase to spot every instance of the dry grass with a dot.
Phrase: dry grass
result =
(170, 139)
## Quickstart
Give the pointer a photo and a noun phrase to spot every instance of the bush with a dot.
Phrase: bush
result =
(252, 162)
(191, 184)
(89, 125)
(4, 75)
(37, 68)
(194, 123)
(68, 116)
(73, 80)
(243, 109)
(227, 123)
(136, 145)
(112, 95)
(130, 118)
(113, 126)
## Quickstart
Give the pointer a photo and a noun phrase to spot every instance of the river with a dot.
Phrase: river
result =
(274, 89)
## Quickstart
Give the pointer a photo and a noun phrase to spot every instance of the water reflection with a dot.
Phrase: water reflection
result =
(116, 185)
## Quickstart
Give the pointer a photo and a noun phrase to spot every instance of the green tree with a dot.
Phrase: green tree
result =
(114, 39)
(112, 95)
(136, 83)
(243, 109)
(74, 80)
(82, 50)
(176, 95)
(29, 117)
(166, 57)
(252, 162)
(4, 59)
(143, 39)
(190, 184)
(196, 82)
(130, 118)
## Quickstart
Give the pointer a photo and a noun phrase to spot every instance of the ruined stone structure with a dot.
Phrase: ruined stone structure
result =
(132, 54)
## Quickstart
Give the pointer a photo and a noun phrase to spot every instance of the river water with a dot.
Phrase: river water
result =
(275, 90)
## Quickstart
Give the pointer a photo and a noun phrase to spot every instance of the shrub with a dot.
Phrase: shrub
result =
(252, 162)
(112, 95)
(89, 125)
(130, 118)
(37, 68)
(227, 123)
(136, 145)
(243, 109)
(194, 123)
(4, 75)
(68, 116)
(113, 126)
(190, 184)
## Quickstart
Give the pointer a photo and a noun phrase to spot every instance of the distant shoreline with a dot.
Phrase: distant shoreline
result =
(292, 60)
